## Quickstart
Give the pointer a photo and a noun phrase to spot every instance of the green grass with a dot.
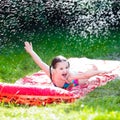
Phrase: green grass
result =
(101, 104)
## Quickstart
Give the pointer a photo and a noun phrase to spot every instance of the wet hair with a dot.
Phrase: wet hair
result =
(54, 62)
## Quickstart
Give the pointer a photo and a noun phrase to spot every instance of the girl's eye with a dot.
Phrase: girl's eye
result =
(67, 67)
(61, 68)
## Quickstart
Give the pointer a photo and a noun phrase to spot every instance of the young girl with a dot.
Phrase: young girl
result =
(58, 71)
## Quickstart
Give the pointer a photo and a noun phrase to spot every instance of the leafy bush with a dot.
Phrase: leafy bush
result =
(79, 17)
(20, 16)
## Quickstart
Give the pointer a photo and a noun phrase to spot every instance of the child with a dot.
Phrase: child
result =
(59, 70)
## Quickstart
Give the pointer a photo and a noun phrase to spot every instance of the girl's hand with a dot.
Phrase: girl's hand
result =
(28, 47)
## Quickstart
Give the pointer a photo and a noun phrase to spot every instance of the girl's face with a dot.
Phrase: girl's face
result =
(62, 70)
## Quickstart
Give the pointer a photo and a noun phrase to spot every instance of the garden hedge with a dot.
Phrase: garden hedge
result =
(77, 16)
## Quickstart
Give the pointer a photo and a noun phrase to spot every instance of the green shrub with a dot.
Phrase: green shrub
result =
(78, 17)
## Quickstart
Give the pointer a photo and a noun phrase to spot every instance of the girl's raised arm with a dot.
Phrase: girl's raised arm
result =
(29, 49)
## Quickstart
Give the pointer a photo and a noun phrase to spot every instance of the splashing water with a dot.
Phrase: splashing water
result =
(87, 17)
(79, 17)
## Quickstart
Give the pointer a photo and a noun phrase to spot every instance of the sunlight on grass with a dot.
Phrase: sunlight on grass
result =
(58, 112)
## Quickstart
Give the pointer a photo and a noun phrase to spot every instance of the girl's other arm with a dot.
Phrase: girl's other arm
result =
(88, 74)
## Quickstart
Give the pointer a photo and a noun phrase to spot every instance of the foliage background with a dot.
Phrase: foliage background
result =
(78, 17)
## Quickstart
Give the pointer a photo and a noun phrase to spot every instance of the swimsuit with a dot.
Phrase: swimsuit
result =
(69, 85)
(72, 84)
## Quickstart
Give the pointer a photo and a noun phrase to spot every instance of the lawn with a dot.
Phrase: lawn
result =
(101, 104)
